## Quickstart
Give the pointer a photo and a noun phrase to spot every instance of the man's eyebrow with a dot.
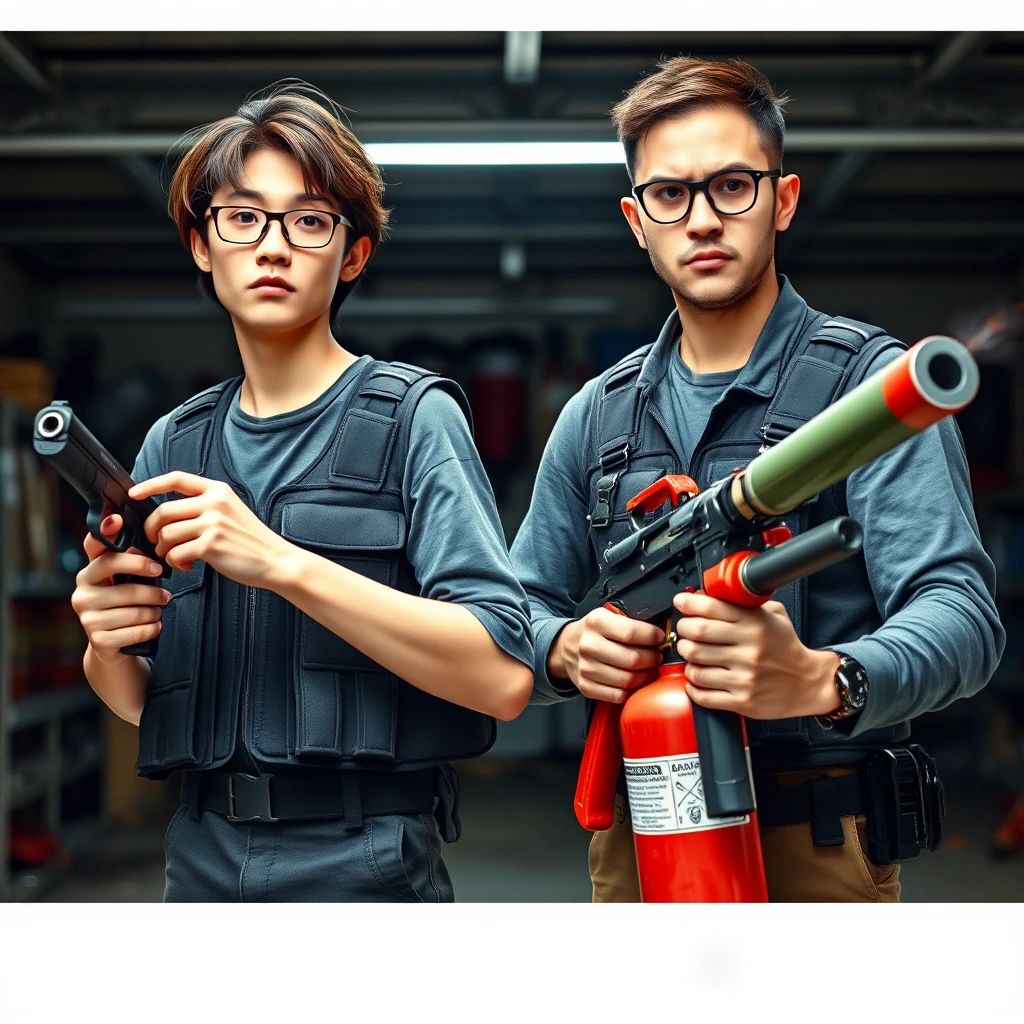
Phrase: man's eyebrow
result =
(736, 165)
(300, 197)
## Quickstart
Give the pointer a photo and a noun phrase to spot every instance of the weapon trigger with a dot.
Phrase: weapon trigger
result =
(94, 521)
(776, 535)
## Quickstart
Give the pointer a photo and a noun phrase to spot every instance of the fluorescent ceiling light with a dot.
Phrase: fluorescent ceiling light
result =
(480, 154)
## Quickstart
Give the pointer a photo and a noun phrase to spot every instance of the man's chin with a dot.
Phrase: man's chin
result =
(272, 317)
(712, 294)
(719, 291)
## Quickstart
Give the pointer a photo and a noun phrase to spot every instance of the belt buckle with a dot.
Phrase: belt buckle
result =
(249, 800)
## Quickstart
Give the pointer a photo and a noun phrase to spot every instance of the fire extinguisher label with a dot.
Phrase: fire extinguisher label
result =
(666, 794)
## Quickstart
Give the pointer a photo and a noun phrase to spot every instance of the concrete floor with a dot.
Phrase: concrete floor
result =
(521, 843)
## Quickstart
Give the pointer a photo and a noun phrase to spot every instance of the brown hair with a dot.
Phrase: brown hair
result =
(682, 85)
(298, 119)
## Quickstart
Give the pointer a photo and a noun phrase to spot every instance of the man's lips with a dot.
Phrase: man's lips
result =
(278, 284)
(708, 260)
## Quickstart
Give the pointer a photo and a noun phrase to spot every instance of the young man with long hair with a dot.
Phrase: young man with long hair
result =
(342, 621)
(836, 668)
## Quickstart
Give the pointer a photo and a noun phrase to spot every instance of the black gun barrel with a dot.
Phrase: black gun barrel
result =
(810, 552)
(61, 439)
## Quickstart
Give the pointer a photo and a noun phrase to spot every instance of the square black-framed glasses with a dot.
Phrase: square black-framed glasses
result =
(703, 185)
(335, 218)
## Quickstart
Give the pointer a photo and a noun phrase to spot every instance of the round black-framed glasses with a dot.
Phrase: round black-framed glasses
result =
(305, 229)
(730, 192)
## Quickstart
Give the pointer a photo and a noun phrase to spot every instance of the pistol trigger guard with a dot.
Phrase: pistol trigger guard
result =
(93, 520)
(95, 516)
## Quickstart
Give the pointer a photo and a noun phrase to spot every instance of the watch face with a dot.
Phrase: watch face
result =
(856, 679)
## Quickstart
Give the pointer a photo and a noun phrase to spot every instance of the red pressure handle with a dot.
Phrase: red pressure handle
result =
(668, 488)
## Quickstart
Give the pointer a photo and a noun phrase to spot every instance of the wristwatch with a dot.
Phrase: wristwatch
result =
(852, 686)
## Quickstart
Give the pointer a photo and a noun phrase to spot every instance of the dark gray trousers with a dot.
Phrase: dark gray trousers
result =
(393, 858)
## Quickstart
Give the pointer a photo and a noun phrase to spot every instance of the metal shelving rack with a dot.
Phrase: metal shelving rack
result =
(47, 708)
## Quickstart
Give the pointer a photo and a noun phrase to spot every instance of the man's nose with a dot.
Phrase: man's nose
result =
(273, 246)
(703, 219)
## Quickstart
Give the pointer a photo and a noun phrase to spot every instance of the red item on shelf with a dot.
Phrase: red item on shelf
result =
(34, 849)
(21, 660)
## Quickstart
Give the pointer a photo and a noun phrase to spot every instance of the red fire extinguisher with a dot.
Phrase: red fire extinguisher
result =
(694, 826)
(685, 852)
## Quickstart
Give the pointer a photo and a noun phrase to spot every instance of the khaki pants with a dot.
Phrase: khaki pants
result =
(796, 869)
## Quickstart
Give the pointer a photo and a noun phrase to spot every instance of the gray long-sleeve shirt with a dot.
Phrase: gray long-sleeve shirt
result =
(455, 541)
(931, 581)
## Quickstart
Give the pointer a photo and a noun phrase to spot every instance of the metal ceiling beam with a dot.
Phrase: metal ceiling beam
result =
(800, 140)
(522, 57)
(346, 63)
(17, 61)
(145, 177)
(355, 308)
(136, 168)
(455, 233)
(953, 58)
(847, 167)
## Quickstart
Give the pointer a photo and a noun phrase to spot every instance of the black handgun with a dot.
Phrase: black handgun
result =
(61, 439)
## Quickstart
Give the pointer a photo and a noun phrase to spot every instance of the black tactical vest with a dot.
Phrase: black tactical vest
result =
(308, 698)
(631, 448)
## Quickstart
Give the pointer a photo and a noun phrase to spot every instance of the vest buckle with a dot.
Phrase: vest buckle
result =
(249, 798)
(613, 464)
(771, 435)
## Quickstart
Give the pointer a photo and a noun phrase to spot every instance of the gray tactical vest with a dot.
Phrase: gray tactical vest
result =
(630, 448)
(308, 698)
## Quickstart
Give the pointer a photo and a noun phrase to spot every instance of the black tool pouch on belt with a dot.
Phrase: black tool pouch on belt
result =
(906, 804)
(446, 802)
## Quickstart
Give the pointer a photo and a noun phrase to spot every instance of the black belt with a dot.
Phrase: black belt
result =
(351, 795)
(820, 801)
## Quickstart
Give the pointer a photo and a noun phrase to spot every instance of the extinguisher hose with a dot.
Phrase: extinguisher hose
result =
(803, 555)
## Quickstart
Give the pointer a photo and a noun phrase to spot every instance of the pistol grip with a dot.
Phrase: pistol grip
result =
(147, 649)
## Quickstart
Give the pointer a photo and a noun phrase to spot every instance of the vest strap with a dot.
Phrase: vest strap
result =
(188, 435)
(618, 425)
(816, 376)
(374, 420)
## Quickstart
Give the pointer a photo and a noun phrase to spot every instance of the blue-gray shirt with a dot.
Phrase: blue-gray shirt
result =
(455, 541)
(930, 578)
(691, 397)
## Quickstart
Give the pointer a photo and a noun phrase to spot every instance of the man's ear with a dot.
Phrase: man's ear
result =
(355, 259)
(786, 196)
(200, 251)
(632, 214)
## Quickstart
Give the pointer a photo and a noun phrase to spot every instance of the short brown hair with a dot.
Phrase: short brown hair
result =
(296, 118)
(681, 85)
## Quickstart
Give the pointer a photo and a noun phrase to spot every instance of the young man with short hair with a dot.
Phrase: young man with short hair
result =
(342, 620)
(836, 667)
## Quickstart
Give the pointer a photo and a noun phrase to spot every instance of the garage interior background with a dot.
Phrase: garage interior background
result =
(519, 281)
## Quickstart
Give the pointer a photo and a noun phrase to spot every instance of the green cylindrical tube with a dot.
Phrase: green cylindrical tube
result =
(934, 379)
